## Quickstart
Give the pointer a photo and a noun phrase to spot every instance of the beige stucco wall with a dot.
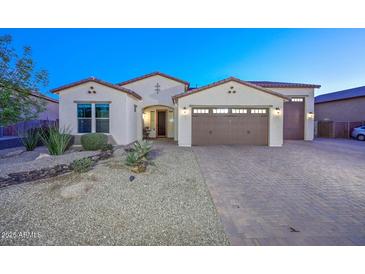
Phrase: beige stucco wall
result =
(308, 94)
(122, 118)
(169, 122)
(218, 96)
(350, 110)
(146, 88)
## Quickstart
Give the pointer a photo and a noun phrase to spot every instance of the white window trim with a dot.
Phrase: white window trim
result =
(297, 99)
(200, 111)
(220, 110)
(239, 111)
(258, 111)
(93, 117)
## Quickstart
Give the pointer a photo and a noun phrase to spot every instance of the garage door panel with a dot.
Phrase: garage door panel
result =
(215, 129)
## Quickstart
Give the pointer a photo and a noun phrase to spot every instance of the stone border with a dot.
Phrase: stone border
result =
(44, 173)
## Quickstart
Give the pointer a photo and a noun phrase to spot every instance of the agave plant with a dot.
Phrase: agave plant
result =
(132, 159)
(142, 148)
(30, 139)
(137, 157)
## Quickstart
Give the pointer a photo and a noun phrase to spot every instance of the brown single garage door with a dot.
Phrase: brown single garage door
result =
(294, 119)
(218, 126)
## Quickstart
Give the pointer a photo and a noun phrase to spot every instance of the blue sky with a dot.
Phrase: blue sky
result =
(333, 58)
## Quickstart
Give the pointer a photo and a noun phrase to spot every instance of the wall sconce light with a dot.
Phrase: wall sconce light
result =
(144, 115)
(310, 115)
(277, 111)
(185, 111)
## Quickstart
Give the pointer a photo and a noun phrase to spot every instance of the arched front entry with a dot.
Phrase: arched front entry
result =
(158, 121)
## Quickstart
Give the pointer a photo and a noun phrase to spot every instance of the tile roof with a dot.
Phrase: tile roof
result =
(193, 91)
(340, 95)
(101, 82)
(42, 96)
(269, 84)
(150, 75)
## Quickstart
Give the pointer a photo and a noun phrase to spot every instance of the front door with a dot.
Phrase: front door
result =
(161, 123)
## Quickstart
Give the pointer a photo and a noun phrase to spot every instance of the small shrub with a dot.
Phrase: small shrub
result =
(94, 141)
(30, 139)
(107, 147)
(132, 159)
(56, 141)
(142, 148)
(82, 165)
(137, 157)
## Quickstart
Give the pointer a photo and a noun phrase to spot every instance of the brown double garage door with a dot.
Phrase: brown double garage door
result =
(217, 126)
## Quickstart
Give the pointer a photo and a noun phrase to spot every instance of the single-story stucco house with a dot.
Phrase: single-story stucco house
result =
(230, 111)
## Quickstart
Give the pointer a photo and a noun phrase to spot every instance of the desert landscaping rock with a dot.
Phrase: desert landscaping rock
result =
(60, 165)
(168, 205)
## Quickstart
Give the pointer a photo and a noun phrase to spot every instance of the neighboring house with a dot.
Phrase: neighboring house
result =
(230, 111)
(50, 113)
(341, 106)
(51, 108)
(9, 134)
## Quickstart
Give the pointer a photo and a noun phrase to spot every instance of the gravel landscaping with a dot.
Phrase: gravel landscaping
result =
(18, 160)
(168, 205)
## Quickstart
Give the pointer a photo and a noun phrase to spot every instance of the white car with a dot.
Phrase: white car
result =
(359, 133)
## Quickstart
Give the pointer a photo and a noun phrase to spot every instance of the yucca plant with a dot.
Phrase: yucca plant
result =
(57, 141)
(30, 139)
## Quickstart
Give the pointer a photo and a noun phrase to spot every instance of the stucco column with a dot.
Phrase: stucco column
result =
(176, 122)
(308, 121)
(139, 123)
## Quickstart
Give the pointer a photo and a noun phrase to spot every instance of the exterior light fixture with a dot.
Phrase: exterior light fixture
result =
(310, 115)
(185, 111)
(144, 115)
(277, 111)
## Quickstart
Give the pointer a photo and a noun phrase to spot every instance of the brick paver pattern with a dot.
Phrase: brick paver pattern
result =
(304, 193)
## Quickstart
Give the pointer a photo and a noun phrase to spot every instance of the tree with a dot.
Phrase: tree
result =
(18, 80)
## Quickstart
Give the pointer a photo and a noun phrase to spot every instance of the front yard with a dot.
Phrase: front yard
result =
(168, 205)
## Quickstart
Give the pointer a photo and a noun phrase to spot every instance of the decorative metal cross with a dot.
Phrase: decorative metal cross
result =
(157, 87)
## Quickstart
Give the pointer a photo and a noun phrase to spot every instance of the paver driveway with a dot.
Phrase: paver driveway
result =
(265, 194)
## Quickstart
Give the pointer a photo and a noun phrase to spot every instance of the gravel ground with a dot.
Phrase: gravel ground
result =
(25, 161)
(168, 205)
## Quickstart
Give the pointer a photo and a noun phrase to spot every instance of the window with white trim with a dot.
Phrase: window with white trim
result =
(220, 110)
(93, 118)
(102, 118)
(84, 118)
(258, 111)
(297, 99)
(239, 110)
(201, 110)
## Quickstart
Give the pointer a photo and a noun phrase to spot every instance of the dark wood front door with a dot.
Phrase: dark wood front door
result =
(294, 119)
(161, 123)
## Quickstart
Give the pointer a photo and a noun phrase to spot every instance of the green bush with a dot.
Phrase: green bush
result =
(57, 141)
(107, 147)
(30, 139)
(82, 165)
(94, 141)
